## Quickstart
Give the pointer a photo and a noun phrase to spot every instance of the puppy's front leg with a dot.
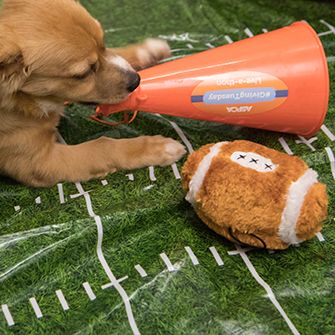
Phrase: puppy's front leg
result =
(43, 165)
(145, 54)
(143, 151)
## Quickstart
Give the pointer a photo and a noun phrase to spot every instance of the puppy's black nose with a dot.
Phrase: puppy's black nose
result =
(133, 81)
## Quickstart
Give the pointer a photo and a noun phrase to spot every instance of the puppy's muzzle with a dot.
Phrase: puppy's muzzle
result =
(133, 81)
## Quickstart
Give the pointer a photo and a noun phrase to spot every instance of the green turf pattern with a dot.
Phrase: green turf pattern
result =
(52, 246)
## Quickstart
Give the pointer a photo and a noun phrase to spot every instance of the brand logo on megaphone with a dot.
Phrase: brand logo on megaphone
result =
(238, 92)
(242, 109)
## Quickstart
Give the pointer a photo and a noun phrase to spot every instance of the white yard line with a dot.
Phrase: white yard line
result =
(88, 289)
(330, 27)
(285, 146)
(87, 200)
(182, 136)
(237, 252)
(36, 308)
(167, 262)
(176, 171)
(8, 316)
(320, 237)
(248, 32)
(141, 271)
(331, 30)
(109, 272)
(180, 133)
(228, 39)
(78, 195)
(267, 288)
(61, 193)
(331, 157)
(130, 177)
(104, 182)
(307, 142)
(210, 45)
(152, 176)
(325, 33)
(328, 133)
(216, 256)
(108, 285)
(62, 300)
(192, 256)
(102, 259)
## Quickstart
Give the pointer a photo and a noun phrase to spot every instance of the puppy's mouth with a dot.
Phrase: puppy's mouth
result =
(133, 84)
(88, 103)
(112, 101)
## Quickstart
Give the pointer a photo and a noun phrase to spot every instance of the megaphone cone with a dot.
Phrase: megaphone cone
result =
(276, 81)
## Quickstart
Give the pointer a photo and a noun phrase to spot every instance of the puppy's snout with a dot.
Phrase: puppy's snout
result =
(133, 81)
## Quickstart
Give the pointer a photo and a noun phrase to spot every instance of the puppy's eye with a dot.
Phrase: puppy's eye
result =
(92, 69)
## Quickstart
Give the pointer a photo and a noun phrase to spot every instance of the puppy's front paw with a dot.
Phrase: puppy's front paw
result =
(152, 51)
(172, 152)
(164, 151)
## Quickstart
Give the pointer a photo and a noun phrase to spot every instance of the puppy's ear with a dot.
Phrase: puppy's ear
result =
(12, 69)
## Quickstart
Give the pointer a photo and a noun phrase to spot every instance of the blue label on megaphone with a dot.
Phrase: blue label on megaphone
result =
(233, 93)
(240, 96)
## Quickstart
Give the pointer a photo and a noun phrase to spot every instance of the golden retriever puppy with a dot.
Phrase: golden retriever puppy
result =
(53, 51)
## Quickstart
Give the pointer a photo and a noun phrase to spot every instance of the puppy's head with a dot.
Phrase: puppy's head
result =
(54, 49)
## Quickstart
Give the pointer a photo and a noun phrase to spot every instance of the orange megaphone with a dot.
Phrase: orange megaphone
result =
(275, 81)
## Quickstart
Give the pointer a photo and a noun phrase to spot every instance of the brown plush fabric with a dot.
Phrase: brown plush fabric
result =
(245, 205)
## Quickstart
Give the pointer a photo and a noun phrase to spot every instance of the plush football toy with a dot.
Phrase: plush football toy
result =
(255, 195)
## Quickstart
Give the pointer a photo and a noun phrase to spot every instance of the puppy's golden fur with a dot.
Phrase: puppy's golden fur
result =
(53, 51)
